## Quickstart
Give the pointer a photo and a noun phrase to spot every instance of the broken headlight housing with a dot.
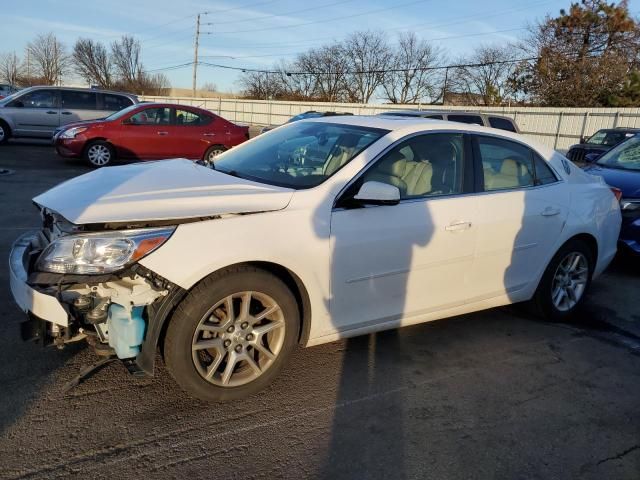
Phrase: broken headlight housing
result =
(98, 253)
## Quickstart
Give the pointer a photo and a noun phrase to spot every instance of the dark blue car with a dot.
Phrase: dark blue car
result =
(620, 168)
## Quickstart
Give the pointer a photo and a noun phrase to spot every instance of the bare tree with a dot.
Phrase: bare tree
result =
(210, 87)
(11, 70)
(412, 78)
(486, 78)
(261, 85)
(328, 68)
(127, 62)
(156, 84)
(92, 62)
(367, 55)
(49, 58)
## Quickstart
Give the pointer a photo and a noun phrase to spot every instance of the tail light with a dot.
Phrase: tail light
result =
(617, 192)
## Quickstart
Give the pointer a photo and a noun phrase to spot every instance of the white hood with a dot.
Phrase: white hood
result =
(162, 190)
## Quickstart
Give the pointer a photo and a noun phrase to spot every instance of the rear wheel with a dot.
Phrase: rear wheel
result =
(5, 132)
(99, 154)
(212, 152)
(232, 334)
(565, 281)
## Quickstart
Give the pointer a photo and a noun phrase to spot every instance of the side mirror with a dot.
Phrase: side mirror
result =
(17, 104)
(378, 193)
(583, 140)
(591, 157)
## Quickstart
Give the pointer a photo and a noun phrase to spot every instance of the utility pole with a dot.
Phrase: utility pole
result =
(195, 50)
(195, 56)
(444, 90)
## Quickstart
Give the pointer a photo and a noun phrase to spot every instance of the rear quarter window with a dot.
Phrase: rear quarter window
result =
(502, 124)
(472, 119)
(113, 103)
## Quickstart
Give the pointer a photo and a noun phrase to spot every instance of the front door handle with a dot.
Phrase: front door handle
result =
(163, 133)
(52, 112)
(66, 113)
(550, 212)
(458, 226)
(209, 134)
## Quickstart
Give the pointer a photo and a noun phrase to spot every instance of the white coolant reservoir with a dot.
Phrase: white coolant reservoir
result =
(126, 330)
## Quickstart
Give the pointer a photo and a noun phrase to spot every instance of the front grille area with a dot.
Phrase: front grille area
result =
(576, 155)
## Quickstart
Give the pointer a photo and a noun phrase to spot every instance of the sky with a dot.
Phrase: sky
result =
(259, 33)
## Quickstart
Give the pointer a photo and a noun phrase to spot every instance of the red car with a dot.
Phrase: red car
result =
(151, 131)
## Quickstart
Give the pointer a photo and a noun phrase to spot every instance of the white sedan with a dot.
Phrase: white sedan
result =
(315, 231)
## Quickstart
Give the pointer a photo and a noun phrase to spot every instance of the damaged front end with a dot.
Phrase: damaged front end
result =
(84, 283)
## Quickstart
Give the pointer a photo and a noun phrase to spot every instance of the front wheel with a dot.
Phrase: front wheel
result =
(99, 154)
(232, 334)
(565, 281)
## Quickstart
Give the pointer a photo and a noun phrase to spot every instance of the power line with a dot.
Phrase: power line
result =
(237, 57)
(363, 72)
(324, 20)
(254, 19)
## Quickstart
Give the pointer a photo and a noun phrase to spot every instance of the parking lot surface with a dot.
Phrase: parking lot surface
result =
(496, 394)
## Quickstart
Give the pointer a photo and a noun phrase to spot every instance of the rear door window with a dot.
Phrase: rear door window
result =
(505, 164)
(472, 119)
(189, 118)
(113, 103)
(79, 100)
(502, 124)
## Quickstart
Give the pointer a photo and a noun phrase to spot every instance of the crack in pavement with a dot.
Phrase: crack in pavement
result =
(620, 455)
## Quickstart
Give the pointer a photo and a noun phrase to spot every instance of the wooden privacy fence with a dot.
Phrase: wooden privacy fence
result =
(558, 128)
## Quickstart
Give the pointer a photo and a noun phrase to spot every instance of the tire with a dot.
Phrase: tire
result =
(555, 281)
(5, 132)
(99, 154)
(212, 152)
(201, 320)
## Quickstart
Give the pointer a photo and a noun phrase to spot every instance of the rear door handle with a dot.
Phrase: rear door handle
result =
(209, 134)
(66, 113)
(550, 212)
(163, 133)
(52, 112)
(458, 226)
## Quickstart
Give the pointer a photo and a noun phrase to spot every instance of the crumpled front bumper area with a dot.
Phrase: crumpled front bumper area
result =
(30, 300)
(120, 315)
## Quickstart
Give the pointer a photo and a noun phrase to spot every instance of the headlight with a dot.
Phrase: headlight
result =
(72, 132)
(97, 253)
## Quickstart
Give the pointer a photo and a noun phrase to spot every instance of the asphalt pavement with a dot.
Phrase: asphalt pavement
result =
(496, 394)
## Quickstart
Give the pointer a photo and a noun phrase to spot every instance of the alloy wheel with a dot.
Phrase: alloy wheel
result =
(238, 339)
(2, 133)
(99, 155)
(570, 281)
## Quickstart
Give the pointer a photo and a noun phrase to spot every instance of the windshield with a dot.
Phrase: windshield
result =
(625, 156)
(8, 98)
(122, 113)
(298, 155)
(608, 137)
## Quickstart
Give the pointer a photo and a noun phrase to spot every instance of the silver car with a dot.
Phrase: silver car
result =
(39, 111)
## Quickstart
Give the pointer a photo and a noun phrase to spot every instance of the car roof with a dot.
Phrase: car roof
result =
(416, 113)
(80, 89)
(409, 125)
